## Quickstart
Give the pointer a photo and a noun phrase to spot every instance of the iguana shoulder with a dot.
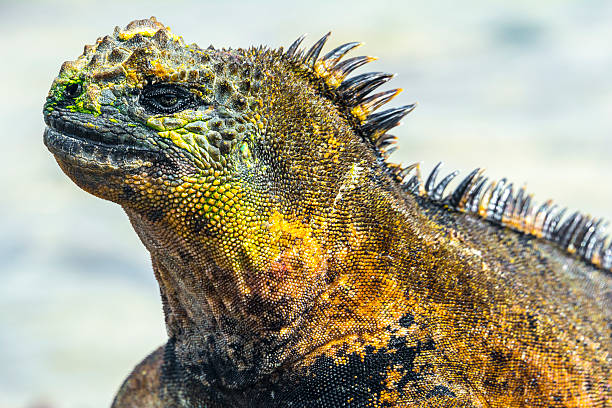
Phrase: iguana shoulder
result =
(142, 388)
(299, 267)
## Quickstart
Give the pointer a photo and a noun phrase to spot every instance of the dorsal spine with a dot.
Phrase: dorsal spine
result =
(494, 201)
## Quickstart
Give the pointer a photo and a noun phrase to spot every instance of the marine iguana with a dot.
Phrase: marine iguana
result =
(297, 266)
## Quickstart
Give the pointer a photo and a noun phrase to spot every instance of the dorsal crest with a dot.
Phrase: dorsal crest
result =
(355, 94)
(495, 201)
(499, 202)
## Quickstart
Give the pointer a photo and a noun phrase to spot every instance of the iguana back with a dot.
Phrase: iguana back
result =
(297, 267)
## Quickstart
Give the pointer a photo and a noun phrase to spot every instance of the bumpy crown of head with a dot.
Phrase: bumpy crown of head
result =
(142, 48)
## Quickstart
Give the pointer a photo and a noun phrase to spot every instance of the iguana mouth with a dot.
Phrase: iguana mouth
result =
(86, 147)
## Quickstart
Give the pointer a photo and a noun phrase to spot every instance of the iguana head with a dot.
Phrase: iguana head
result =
(231, 163)
(141, 104)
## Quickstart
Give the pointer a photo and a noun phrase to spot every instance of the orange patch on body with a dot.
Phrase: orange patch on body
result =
(300, 259)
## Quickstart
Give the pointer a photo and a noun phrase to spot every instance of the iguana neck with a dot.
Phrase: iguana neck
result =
(210, 317)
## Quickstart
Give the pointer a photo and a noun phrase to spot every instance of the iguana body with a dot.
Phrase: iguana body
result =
(295, 266)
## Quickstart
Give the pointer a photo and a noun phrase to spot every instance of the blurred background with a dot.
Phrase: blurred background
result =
(522, 88)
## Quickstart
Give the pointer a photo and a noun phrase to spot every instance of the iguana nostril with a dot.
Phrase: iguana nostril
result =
(74, 90)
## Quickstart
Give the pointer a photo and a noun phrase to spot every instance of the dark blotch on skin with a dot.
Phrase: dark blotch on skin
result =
(406, 320)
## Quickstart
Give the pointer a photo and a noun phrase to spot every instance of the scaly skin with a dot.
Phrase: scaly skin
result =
(294, 268)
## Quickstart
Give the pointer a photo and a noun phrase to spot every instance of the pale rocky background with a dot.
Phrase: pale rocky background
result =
(523, 88)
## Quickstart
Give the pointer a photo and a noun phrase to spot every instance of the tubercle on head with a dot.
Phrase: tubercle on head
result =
(147, 27)
(125, 58)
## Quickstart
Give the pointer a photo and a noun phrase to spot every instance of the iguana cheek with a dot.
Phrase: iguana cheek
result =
(211, 141)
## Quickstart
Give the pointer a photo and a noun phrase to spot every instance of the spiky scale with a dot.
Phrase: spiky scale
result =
(378, 123)
(354, 89)
(526, 215)
(573, 228)
(518, 203)
(524, 207)
(385, 140)
(500, 205)
(539, 215)
(566, 229)
(371, 103)
(594, 240)
(495, 193)
(342, 69)
(509, 208)
(578, 233)
(554, 224)
(415, 183)
(412, 185)
(588, 232)
(485, 199)
(290, 53)
(457, 195)
(475, 195)
(431, 180)
(404, 172)
(388, 151)
(438, 192)
(337, 53)
(468, 196)
(550, 213)
(313, 53)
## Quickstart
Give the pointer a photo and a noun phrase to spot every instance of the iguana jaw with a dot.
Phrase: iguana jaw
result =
(80, 150)
(97, 161)
(94, 141)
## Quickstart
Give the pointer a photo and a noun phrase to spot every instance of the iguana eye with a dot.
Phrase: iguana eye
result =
(168, 101)
(166, 98)
(73, 90)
